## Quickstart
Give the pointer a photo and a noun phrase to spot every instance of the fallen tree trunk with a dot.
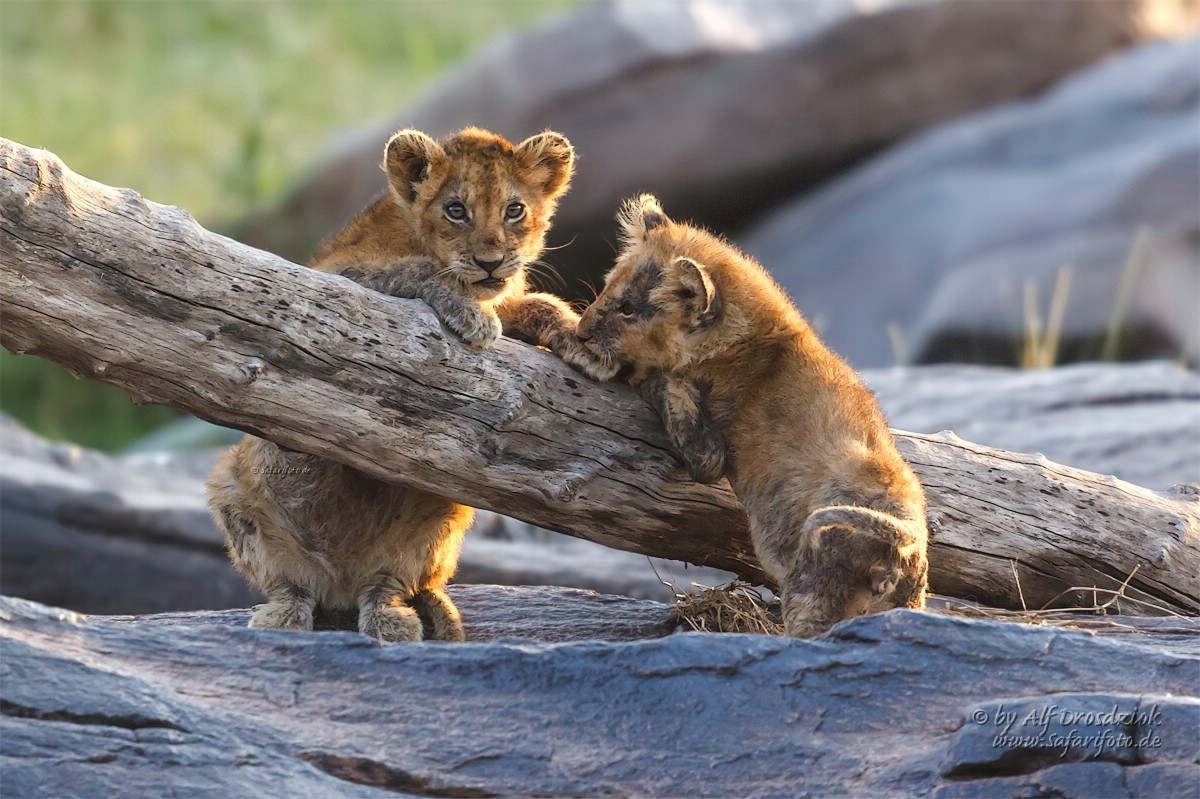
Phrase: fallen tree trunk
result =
(138, 295)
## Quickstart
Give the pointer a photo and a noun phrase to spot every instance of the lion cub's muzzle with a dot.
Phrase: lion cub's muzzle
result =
(492, 271)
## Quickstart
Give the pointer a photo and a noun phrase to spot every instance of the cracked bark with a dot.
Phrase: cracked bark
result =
(138, 295)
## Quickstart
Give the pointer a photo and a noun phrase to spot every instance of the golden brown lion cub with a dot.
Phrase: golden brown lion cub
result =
(456, 229)
(747, 391)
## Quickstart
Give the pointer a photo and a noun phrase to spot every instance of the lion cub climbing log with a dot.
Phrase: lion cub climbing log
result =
(747, 391)
(458, 225)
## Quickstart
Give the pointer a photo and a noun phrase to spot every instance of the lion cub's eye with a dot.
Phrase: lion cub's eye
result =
(626, 309)
(455, 211)
(515, 212)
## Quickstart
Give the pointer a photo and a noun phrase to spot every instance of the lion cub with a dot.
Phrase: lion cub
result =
(746, 390)
(458, 225)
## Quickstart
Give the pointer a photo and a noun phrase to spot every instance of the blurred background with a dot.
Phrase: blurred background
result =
(212, 106)
(1004, 182)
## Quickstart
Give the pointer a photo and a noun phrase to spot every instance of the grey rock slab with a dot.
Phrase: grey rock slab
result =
(875, 707)
(491, 612)
(1138, 421)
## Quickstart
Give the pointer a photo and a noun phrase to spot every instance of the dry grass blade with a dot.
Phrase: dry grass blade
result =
(899, 347)
(1131, 277)
(1039, 349)
(1089, 617)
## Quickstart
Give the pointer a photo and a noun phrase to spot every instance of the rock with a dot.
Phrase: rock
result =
(493, 613)
(898, 704)
(1137, 421)
(939, 235)
(100, 534)
(94, 533)
(722, 109)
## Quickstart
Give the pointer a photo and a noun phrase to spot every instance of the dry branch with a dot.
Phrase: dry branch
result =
(138, 295)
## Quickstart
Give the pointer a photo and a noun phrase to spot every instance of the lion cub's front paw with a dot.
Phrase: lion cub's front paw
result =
(283, 616)
(581, 359)
(477, 327)
(392, 624)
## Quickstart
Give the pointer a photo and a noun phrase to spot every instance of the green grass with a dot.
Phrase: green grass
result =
(210, 105)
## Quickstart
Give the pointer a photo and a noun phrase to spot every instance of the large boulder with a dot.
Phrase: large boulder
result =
(939, 236)
(722, 109)
(102, 534)
(898, 704)
(1139, 421)
(133, 534)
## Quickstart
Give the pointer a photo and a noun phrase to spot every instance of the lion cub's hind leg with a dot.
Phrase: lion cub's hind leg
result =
(437, 609)
(823, 584)
(384, 613)
(852, 561)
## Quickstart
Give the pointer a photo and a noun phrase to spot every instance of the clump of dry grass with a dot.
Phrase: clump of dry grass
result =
(734, 608)
(741, 608)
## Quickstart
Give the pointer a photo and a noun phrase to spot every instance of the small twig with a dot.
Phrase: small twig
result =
(1017, 577)
(654, 569)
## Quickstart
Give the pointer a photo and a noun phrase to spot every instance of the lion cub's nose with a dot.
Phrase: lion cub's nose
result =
(488, 265)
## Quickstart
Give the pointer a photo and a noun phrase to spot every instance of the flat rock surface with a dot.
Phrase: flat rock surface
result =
(898, 704)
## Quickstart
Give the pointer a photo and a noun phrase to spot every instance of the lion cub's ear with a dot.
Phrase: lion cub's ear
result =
(639, 215)
(409, 159)
(697, 293)
(549, 158)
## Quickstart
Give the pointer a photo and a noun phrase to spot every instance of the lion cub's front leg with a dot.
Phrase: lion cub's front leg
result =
(289, 607)
(683, 405)
(548, 321)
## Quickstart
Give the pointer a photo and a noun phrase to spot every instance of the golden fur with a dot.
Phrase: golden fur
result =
(457, 228)
(748, 391)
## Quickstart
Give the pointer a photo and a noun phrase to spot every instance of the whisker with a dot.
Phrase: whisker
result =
(546, 271)
(588, 285)
(561, 246)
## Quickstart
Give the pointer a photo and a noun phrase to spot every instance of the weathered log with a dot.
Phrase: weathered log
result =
(138, 295)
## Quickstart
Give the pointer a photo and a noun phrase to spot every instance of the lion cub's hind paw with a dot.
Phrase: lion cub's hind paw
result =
(437, 609)
(391, 624)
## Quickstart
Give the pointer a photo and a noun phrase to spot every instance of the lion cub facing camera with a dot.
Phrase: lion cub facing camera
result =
(460, 222)
(747, 391)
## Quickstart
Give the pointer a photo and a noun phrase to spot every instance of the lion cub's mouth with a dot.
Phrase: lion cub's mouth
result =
(491, 282)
